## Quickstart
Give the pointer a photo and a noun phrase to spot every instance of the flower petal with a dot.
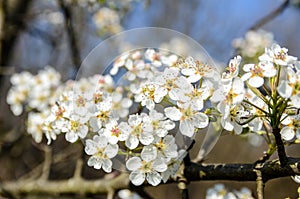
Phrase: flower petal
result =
(133, 163)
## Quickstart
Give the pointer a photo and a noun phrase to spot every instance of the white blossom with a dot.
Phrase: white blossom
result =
(101, 153)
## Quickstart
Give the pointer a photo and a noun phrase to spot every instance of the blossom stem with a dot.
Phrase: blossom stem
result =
(246, 101)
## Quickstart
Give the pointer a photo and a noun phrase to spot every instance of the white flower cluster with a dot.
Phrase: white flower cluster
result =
(107, 20)
(254, 43)
(219, 191)
(36, 93)
(150, 97)
(138, 118)
(248, 99)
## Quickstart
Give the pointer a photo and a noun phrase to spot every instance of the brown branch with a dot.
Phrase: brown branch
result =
(193, 172)
(270, 16)
(280, 147)
(242, 172)
(70, 186)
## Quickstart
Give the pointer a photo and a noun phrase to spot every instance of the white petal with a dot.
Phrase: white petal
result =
(159, 94)
(83, 130)
(296, 100)
(101, 141)
(17, 109)
(94, 162)
(71, 136)
(200, 120)
(133, 163)
(137, 177)
(284, 89)
(106, 165)
(287, 133)
(91, 147)
(248, 67)
(256, 81)
(173, 113)
(146, 138)
(168, 125)
(193, 78)
(186, 128)
(149, 153)
(159, 165)
(132, 142)
(296, 178)
(154, 178)
(226, 123)
(111, 150)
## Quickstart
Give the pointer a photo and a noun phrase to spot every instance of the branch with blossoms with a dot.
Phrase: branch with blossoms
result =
(194, 172)
(142, 117)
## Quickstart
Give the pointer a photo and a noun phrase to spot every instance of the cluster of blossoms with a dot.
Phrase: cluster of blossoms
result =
(219, 191)
(253, 44)
(107, 21)
(263, 96)
(35, 93)
(151, 103)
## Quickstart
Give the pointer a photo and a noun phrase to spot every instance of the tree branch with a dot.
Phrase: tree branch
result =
(73, 40)
(270, 16)
(242, 172)
(193, 172)
(280, 147)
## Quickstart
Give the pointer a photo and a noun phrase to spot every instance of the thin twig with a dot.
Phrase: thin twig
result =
(47, 162)
(270, 16)
(259, 184)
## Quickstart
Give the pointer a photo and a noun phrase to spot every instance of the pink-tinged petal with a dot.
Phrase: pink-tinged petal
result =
(256, 81)
(248, 67)
(173, 113)
(284, 89)
(137, 177)
(133, 163)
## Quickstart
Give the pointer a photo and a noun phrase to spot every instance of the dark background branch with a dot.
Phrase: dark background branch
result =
(268, 18)
(73, 40)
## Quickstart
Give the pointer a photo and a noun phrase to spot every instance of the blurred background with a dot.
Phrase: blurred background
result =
(61, 33)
